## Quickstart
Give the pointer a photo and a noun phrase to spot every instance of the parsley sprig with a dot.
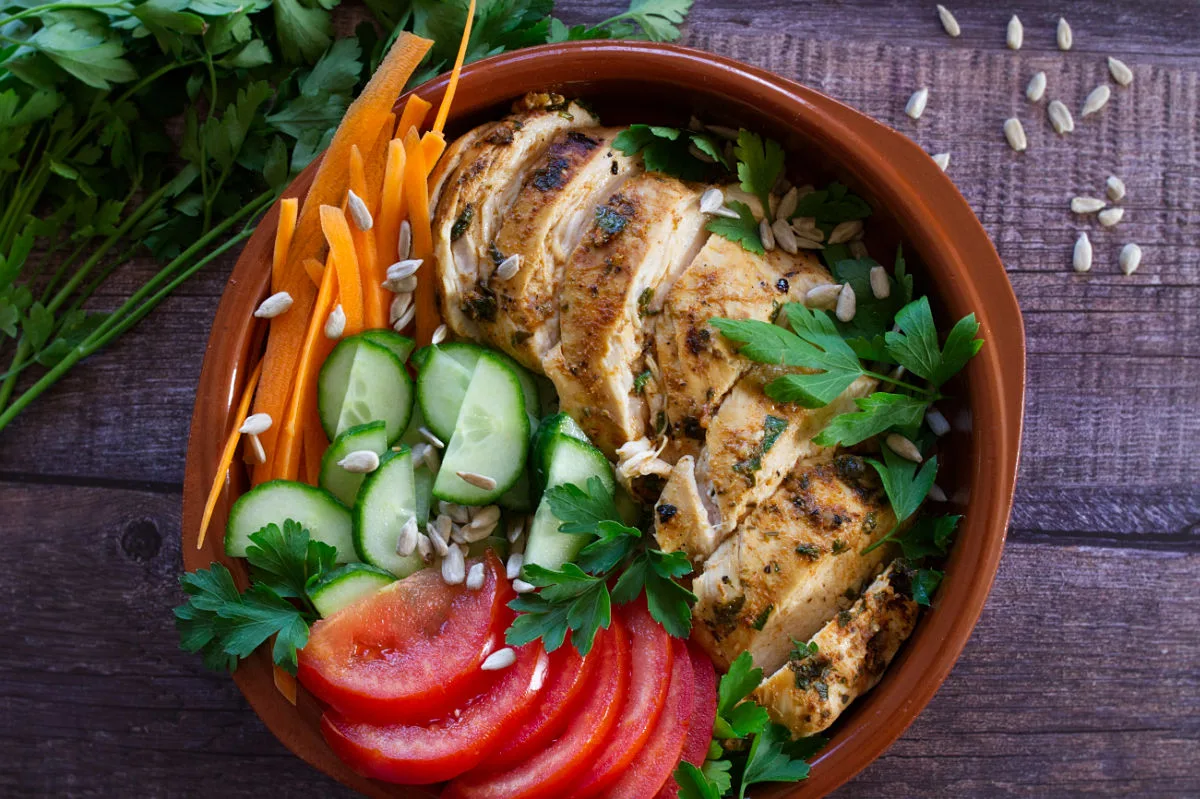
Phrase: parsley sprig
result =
(577, 598)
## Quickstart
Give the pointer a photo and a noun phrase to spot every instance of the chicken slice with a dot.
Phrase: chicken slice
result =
(550, 216)
(476, 196)
(750, 445)
(636, 246)
(782, 574)
(854, 648)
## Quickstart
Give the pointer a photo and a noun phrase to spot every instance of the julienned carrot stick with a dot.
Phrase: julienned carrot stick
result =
(439, 123)
(362, 124)
(416, 189)
(374, 306)
(314, 269)
(416, 108)
(289, 207)
(391, 205)
(239, 418)
(314, 446)
(432, 145)
(345, 261)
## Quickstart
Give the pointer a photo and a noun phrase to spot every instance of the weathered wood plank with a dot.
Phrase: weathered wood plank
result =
(1081, 677)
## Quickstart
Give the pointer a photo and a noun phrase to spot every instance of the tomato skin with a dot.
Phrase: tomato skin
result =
(420, 755)
(411, 652)
(650, 678)
(567, 677)
(545, 774)
(704, 714)
(656, 761)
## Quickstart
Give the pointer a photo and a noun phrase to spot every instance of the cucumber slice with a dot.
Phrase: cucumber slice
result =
(363, 382)
(275, 502)
(491, 436)
(400, 346)
(386, 501)
(441, 385)
(552, 426)
(423, 489)
(571, 461)
(520, 496)
(346, 585)
(337, 481)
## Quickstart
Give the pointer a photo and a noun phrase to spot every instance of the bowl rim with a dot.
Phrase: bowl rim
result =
(927, 208)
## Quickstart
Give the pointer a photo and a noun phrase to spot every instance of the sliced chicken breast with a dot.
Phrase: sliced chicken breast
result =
(782, 574)
(477, 195)
(553, 209)
(854, 648)
(638, 242)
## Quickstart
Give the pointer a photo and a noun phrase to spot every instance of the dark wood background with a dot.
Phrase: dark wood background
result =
(1082, 676)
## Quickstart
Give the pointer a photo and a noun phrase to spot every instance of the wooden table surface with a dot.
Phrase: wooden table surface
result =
(1083, 676)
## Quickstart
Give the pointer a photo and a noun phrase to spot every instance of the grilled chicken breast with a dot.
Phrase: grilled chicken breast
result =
(782, 573)
(854, 648)
(638, 242)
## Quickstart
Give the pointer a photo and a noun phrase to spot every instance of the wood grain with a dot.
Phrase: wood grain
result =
(1082, 676)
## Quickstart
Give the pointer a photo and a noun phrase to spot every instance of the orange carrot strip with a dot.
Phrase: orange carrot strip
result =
(364, 120)
(416, 189)
(314, 447)
(439, 123)
(289, 207)
(345, 261)
(391, 208)
(226, 460)
(432, 145)
(416, 108)
(285, 684)
(374, 305)
(314, 269)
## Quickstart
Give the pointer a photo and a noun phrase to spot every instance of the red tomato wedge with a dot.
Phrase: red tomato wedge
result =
(567, 676)
(419, 755)
(657, 759)
(547, 773)
(704, 714)
(649, 680)
(411, 652)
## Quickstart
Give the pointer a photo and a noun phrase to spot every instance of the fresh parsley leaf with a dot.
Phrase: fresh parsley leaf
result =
(832, 205)
(654, 572)
(304, 30)
(877, 413)
(717, 772)
(657, 19)
(760, 163)
(928, 535)
(905, 485)
(569, 599)
(580, 509)
(924, 583)
(737, 715)
(743, 230)
(695, 784)
(803, 649)
(616, 542)
(915, 346)
(873, 316)
(286, 560)
(768, 762)
(663, 149)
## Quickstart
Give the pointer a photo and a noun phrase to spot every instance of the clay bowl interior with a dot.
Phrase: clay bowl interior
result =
(914, 204)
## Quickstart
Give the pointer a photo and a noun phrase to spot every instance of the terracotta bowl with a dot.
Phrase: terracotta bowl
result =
(947, 249)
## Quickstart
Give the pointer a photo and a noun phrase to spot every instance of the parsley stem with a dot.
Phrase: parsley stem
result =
(39, 10)
(932, 395)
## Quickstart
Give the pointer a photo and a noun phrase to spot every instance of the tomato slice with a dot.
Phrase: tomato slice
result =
(411, 652)
(657, 759)
(567, 676)
(650, 679)
(419, 755)
(704, 714)
(547, 773)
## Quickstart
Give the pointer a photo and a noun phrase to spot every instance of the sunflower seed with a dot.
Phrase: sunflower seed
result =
(1082, 256)
(846, 231)
(424, 548)
(936, 493)
(1111, 216)
(858, 249)
(1015, 134)
(406, 544)
(455, 512)
(788, 203)
(806, 226)
(437, 540)
(401, 320)
(903, 447)
(457, 535)
(937, 422)
(420, 451)
(454, 567)
(428, 435)
(439, 334)
(847, 303)
(766, 235)
(1096, 100)
(784, 236)
(403, 268)
(274, 305)
(404, 240)
(711, 200)
(522, 587)
(1115, 188)
(726, 212)
(475, 577)
(516, 526)
(949, 23)
(508, 267)
(513, 567)
(335, 325)
(1130, 258)
(1121, 72)
(881, 287)
(1015, 34)
(260, 454)
(256, 424)
(480, 481)
(358, 211)
(484, 520)
(500, 659)
(823, 296)
(1063, 34)
(916, 103)
(942, 160)
(1060, 117)
(1086, 205)
(700, 155)
(1036, 88)
(361, 461)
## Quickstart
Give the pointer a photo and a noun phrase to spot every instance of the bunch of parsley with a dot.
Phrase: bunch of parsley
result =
(165, 128)
(577, 597)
